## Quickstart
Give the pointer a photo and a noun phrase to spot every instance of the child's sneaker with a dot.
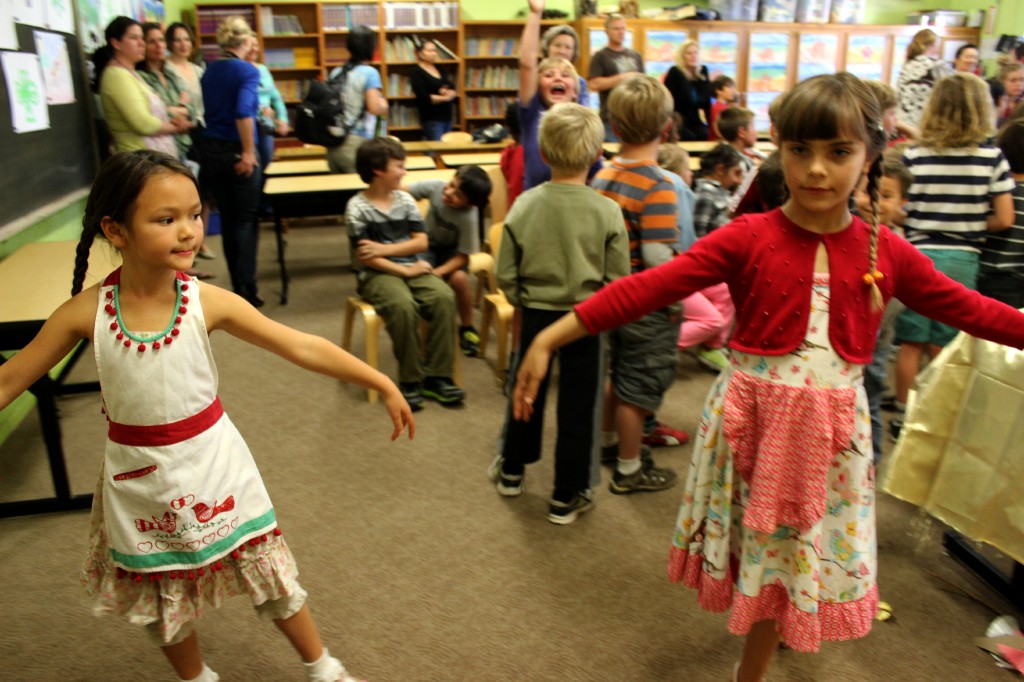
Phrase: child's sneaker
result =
(713, 358)
(664, 436)
(469, 341)
(648, 478)
(411, 393)
(895, 427)
(442, 390)
(507, 485)
(564, 513)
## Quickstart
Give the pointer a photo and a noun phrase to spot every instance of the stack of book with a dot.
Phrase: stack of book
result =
(492, 78)
(492, 47)
(399, 15)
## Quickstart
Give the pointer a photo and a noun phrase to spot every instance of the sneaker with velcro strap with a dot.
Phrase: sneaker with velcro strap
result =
(443, 390)
(564, 513)
(648, 478)
(507, 485)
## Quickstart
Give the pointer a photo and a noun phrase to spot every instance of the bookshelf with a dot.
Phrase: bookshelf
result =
(301, 41)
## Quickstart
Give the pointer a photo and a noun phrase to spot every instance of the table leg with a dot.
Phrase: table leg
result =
(279, 234)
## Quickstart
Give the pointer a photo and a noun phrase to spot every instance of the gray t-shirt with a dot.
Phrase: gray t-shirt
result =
(609, 62)
(397, 224)
(450, 230)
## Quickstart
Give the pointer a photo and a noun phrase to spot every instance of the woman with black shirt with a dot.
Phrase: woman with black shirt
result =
(691, 91)
(434, 92)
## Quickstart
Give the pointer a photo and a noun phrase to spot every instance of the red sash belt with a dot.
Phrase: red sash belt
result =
(166, 434)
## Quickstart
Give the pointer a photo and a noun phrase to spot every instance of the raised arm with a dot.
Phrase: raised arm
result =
(229, 312)
(529, 50)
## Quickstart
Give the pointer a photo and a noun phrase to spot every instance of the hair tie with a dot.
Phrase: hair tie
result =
(872, 277)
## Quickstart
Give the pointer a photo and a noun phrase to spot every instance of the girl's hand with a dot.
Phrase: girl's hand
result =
(400, 412)
(282, 128)
(532, 371)
(246, 164)
(537, 6)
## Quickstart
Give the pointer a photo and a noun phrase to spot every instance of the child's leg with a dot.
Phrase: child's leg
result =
(701, 321)
(302, 633)
(436, 303)
(629, 423)
(908, 363)
(185, 657)
(579, 382)
(393, 300)
(761, 644)
(722, 300)
(459, 282)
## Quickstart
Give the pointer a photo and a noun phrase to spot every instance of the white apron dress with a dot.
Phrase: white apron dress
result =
(181, 517)
(777, 520)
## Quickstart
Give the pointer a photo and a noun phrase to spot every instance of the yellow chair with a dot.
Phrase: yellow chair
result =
(498, 201)
(457, 136)
(497, 311)
(373, 324)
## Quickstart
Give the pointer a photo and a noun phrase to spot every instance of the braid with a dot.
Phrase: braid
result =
(82, 254)
(873, 275)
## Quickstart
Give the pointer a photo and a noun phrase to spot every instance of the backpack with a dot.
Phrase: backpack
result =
(318, 118)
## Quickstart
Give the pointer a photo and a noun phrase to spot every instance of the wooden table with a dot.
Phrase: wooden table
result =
(466, 159)
(696, 147)
(312, 195)
(35, 280)
(319, 166)
(430, 146)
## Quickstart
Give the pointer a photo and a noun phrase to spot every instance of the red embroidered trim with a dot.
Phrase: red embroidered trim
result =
(138, 473)
(166, 434)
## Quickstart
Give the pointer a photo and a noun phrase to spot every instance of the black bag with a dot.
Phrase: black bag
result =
(319, 117)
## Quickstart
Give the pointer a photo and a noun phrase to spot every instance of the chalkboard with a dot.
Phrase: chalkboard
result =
(42, 167)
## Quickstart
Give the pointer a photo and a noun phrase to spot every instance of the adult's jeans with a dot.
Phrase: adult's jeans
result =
(238, 199)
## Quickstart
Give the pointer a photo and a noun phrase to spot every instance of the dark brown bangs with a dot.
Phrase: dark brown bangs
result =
(827, 107)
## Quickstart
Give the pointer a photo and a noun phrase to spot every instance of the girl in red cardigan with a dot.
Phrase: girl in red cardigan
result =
(777, 523)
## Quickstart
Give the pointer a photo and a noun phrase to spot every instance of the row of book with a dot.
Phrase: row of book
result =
(488, 106)
(289, 57)
(209, 19)
(401, 116)
(291, 90)
(344, 17)
(421, 15)
(492, 77)
(403, 49)
(492, 47)
(398, 86)
(279, 24)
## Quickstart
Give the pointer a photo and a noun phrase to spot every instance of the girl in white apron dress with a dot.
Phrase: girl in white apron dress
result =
(181, 519)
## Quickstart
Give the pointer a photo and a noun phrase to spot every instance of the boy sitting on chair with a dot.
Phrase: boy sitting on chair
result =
(388, 239)
(453, 233)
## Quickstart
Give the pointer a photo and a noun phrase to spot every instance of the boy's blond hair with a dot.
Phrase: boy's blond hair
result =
(640, 108)
(885, 94)
(571, 136)
(731, 119)
(673, 158)
(958, 113)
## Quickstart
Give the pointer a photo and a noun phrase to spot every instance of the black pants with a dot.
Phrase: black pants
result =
(238, 200)
(579, 381)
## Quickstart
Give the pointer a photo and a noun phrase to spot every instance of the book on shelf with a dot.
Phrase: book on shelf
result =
(402, 48)
(401, 116)
(210, 18)
(398, 86)
(492, 47)
(443, 49)
(401, 15)
(488, 106)
(345, 17)
(492, 77)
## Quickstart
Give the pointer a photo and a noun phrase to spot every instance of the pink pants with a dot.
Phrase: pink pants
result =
(707, 317)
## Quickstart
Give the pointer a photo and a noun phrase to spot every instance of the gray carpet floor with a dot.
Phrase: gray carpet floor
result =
(417, 571)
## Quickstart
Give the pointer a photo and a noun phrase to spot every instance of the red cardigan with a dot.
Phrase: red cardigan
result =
(768, 262)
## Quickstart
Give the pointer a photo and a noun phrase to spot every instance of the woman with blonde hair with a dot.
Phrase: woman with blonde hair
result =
(691, 91)
(1010, 93)
(918, 76)
(230, 166)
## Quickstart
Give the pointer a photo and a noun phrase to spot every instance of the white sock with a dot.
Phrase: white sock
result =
(326, 668)
(206, 676)
(628, 466)
(609, 438)
(901, 407)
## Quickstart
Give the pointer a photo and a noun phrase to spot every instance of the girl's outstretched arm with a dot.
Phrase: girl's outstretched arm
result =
(534, 365)
(68, 325)
(229, 312)
(529, 49)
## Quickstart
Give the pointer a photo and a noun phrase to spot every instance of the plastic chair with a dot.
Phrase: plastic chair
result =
(457, 136)
(372, 322)
(498, 200)
(497, 311)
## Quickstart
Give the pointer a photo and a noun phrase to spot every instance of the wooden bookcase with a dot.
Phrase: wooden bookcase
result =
(304, 41)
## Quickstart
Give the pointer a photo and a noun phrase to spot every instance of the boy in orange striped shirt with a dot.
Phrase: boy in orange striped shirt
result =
(644, 352)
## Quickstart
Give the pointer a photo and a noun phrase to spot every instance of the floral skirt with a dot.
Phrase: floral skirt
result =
(265, 571)
(813, 572)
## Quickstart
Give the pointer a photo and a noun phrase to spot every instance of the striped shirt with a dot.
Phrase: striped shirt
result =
(1003, 251)
(647, 198)
(951, 197)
